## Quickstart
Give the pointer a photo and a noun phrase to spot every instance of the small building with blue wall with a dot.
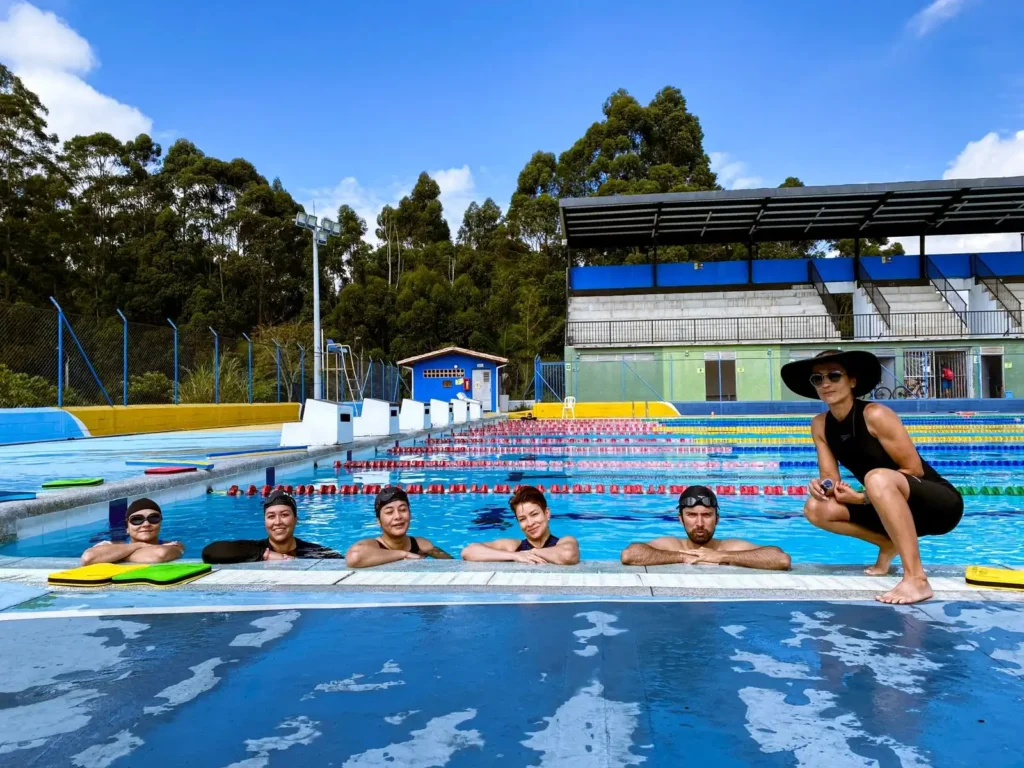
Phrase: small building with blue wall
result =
(442, 374)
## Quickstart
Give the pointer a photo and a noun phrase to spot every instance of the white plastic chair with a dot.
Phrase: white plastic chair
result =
(569, 406)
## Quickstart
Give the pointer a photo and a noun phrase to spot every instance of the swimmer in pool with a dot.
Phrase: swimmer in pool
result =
(279, 518)
(143, 521)
(394, 542)
(698, 512)
(539, 547)
(903, 497)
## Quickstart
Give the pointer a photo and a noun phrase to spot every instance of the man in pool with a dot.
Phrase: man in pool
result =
(279, 518)
(539, 547)
(698, 512)
(394, 542)
(143, 521)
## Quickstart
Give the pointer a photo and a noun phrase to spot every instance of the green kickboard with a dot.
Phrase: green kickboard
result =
(73, 482)
(164, 575)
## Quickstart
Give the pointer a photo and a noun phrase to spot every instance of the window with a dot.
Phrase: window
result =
(629, 357)
(443, 373)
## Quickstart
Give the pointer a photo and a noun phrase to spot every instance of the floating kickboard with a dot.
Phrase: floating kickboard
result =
(164, 575)
(994, 578)
(17, 495)
(168, 470)
(73, 482)
(198, 464)
(94, 575)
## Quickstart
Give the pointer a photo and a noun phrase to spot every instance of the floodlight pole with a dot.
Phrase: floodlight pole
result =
(317, 392)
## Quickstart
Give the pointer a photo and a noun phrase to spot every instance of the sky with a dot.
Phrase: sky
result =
(348, 102)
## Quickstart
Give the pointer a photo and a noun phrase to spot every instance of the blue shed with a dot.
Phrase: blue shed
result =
(444, 373)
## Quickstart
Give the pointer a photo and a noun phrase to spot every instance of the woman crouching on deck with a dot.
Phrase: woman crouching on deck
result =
(904, 497)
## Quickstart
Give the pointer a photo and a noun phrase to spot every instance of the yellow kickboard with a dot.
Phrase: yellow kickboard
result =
(95, 575)
(994, 578)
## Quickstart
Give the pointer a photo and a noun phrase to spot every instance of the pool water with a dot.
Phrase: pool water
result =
(991, 532)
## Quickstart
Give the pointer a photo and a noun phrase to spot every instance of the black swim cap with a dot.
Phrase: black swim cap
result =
(142, 504)
(388, 494)
(279, 497)
(698, 495)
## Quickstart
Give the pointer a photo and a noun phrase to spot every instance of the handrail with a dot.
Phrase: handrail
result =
(839, 319)
(943, 286)
(995, 285)
(868, 284)
(702, 330)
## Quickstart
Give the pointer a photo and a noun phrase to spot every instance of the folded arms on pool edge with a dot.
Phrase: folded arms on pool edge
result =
(669, 551)
(132, 552)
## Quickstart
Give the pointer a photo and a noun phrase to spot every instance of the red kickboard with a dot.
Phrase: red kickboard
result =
(169, 470)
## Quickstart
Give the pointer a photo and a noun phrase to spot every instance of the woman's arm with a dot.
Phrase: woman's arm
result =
(366, 554)
(565, 552)
(498, 551)
(828, 467)
(884, 424)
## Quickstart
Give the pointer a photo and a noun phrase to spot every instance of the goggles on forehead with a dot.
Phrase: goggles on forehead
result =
(694, 501)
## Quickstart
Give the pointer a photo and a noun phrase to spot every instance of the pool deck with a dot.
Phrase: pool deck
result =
(592, 579)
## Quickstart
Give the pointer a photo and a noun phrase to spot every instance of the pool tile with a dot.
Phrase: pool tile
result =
(283, 578)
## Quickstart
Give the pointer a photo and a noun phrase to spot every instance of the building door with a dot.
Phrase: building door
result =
(482, 387)
(939, 373)
(992, 376)
(719, 378)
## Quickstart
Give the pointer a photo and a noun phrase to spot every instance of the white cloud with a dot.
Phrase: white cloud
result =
(457, 191)
(51, 59)
(934, 14)
(992, 155)
(733, 174)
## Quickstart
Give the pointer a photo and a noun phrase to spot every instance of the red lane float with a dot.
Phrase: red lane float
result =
(578, 489)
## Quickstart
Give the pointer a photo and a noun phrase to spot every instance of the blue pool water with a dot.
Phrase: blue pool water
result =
(992, 531)
(26, 466)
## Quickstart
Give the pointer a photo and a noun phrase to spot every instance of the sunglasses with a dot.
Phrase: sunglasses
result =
(817, 379)
(153, 518)
(693, 501)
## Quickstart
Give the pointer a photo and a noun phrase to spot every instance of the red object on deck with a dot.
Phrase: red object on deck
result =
(169, 470)
(253, 490)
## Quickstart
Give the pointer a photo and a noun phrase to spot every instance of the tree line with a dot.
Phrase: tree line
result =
(103, 225)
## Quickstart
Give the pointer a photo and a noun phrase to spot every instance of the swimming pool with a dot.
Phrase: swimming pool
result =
(559, 454)
(27, 465)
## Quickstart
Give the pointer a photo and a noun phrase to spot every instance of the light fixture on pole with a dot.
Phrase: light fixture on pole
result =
(325, 229)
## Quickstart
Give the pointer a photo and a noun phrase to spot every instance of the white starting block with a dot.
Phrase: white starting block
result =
(460, 411)
(440, 413)
(414, 415)
(377, 418)
(476, 408)
(323, 423)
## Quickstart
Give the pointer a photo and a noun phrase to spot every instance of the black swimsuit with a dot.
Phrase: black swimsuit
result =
(414, 546)
(935, 504)
(526, 546)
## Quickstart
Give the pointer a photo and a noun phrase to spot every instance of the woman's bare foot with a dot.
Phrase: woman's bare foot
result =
(914, 589)
(886, 555)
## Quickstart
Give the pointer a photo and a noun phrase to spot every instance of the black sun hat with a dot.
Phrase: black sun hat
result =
(859, 365)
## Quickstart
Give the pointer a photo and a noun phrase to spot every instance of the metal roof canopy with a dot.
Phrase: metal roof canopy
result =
(903, 209)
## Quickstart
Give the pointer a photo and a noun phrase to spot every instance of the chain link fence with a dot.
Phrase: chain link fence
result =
(913, 371)
(49, 358)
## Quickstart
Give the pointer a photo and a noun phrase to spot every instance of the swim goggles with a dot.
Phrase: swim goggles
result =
(153, 518)
(817, 379)
(694, 501)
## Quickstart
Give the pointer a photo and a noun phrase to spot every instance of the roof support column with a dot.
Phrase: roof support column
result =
(856, 259)
(922, 258)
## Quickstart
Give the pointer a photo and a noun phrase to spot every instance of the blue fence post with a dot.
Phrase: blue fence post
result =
(60, 358)
(302, 367)
(124, 356)
(538, 387)
(81, 349)
(175, 360)
(216, 367)
(250, 365)
(278, 369)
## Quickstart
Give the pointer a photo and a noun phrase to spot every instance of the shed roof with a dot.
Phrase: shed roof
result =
(448, 350)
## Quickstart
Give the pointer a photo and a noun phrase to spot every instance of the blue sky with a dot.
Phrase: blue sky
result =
(348, 102)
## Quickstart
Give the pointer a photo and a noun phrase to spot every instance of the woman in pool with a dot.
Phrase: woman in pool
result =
(539, 547)
(904, 497)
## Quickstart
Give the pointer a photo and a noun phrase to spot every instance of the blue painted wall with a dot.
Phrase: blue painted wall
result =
(785, 271)
(29, 425)
(424, 389)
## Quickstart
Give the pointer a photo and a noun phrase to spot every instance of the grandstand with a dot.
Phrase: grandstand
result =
(721, 330)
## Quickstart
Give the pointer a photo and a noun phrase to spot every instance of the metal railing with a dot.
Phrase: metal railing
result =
(868, 284)
(949, 293)
(840, 319)
(994, 284)
(610, 333)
